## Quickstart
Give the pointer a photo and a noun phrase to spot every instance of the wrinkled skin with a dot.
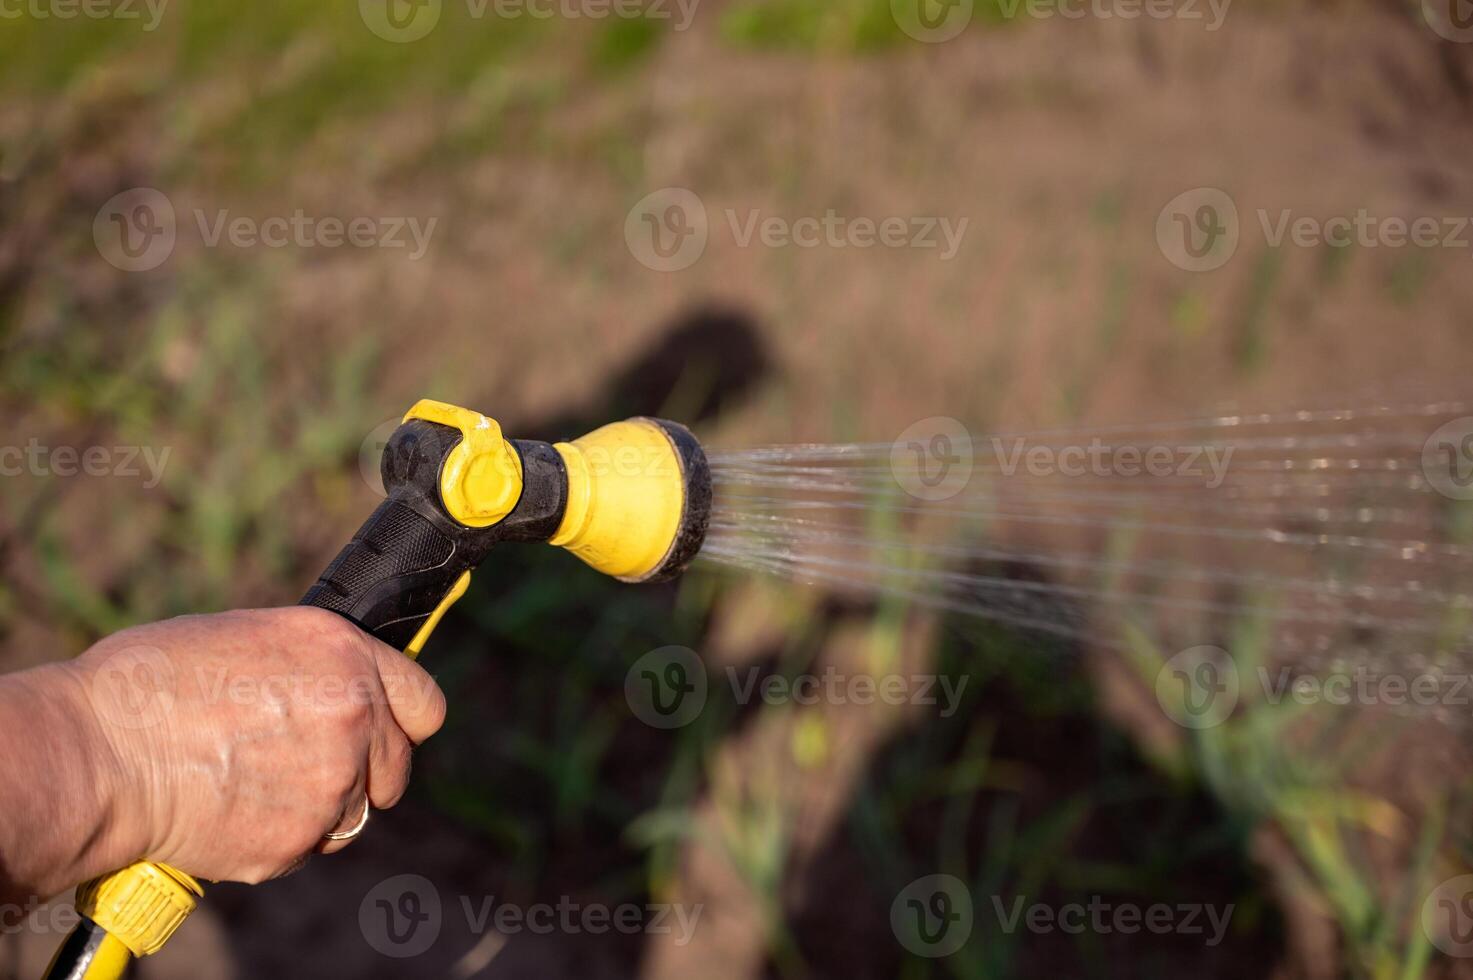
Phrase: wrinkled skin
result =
(225, 745)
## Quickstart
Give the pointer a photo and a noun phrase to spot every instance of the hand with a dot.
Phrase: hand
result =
(231, 743)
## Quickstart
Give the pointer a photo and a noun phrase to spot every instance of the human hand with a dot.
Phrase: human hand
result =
(230, 744)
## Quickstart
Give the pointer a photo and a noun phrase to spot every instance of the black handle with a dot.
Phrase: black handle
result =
(393, 574)
(410, 553)
(408, 556)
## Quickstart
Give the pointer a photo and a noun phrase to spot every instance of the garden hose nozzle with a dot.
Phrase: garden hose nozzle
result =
(631, 499)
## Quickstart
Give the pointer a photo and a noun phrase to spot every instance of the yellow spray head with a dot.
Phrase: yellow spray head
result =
(639, 499)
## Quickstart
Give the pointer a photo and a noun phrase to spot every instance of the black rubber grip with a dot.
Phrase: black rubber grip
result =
(410, 553)
(393, 574)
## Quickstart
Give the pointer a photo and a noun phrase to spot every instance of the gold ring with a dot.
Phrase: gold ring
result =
(357, 828)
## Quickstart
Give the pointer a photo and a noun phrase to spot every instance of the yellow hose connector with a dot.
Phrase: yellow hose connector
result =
(141, 905)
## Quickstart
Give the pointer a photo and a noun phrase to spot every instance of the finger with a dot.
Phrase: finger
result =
(415, 699)
(352, 818)
(388, 767)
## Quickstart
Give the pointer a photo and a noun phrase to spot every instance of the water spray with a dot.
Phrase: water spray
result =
(1346, 534)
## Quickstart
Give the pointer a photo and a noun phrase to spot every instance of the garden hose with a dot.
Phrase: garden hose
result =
(632, 499)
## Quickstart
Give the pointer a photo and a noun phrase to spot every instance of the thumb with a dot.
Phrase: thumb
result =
(415, 699)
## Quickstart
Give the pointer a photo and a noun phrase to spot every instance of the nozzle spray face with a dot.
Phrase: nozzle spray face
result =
(639, 499)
